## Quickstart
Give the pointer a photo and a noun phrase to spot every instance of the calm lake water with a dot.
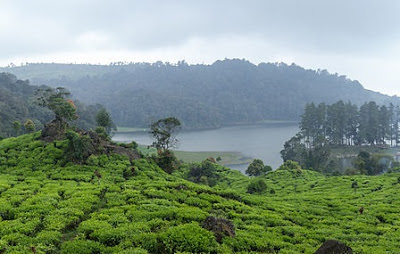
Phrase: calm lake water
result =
(263, 141)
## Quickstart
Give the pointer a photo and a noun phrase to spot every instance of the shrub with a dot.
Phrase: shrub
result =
(101, 131)
(291, 165)
(132, 145)
(109, 236)
(166, 160)
(81, 247)
(89, 226)
(79, 147)
(49, 238)
(190, 238)
(147, 241)
(257, 186)
(134, 251)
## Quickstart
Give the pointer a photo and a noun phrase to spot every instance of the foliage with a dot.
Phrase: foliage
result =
(257, 168)
(205, 173)
(29, 126)
(345, 124)
(19, 104)
(326, 127)
(290, 165)
(166, 160)
(57, 206)
(103, 119)
(16, 105)
(294, 149)
(202, 96)
(101, 132)
(189, 238)
(164, 133)
(17, 127)
(56, 100)
(257, 186)
(372, 164)
(79, 146)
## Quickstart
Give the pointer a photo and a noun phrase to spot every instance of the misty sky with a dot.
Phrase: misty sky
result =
(357, 38)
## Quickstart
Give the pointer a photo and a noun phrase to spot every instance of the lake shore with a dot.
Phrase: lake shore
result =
(236, 145)
(229, 159)
(122, 129)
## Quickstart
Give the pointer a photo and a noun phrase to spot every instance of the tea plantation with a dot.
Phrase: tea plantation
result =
(113, 205)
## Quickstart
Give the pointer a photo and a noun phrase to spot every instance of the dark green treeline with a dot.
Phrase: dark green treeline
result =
(346, 124)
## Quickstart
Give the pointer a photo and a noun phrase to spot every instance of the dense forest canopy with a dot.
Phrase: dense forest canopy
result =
(224, 93)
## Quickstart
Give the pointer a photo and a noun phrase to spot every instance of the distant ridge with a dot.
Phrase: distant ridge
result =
(226, 92)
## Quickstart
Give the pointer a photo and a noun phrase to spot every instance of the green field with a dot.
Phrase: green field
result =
(130, 129)
(54, 206)
(227, 158)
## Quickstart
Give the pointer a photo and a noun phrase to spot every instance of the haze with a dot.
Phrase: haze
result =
(360, 39)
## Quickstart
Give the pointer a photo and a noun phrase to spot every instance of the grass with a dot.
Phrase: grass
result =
(227, 158)
(353, 151)
(130, 129)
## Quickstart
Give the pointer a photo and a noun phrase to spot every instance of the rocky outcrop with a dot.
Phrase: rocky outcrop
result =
(220, 227)
(334, 247)
(95, 143)
(54, 130)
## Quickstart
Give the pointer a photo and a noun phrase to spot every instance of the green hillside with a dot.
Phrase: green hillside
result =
(110, 204)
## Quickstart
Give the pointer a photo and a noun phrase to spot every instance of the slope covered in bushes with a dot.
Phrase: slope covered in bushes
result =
(111, 204)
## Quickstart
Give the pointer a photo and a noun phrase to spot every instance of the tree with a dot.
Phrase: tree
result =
(295, 150)
(204, 172)
(56, 100)
(369, 122)
(164, 132)
(29, 126)
(17, 127)
(257, 168)
(103, 119)
(365, 163)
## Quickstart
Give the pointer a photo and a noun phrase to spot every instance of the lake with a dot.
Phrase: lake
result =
(262, 141)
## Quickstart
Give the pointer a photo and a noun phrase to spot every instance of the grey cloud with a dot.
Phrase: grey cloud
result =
(336, 26)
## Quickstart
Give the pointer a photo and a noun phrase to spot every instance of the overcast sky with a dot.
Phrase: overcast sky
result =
(356, 38)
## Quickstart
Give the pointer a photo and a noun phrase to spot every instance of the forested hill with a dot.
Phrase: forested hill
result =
(224, 93)
(17, 107)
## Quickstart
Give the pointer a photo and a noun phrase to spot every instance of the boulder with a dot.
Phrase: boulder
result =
(334, 247)
(220, 227)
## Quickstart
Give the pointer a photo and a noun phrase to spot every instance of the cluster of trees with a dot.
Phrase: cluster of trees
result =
(341, 125)
(22, 112)
(346, 124)
(224, 93)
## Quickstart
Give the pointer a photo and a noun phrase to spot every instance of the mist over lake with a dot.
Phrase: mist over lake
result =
(263, 141)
